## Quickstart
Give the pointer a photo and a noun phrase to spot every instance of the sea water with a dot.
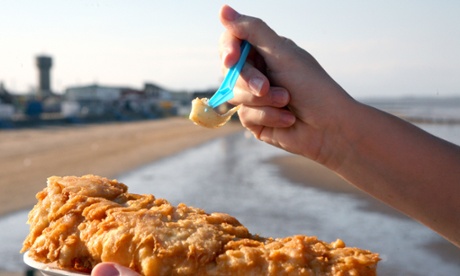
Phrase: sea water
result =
(234, 175)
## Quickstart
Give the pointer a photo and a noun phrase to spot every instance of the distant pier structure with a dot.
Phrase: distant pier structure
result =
(44, 64)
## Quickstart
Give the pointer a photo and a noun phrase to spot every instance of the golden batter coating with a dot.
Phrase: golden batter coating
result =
(81, 221)
(204, 115)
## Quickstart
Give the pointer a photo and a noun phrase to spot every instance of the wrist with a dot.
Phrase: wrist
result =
(343, 134)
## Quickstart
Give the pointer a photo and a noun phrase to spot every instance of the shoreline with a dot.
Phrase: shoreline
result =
(29, 156)
(309, 174)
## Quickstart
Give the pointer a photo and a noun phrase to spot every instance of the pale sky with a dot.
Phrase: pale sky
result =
(372, 48)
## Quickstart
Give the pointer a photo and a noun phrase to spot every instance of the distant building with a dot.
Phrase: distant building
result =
(5, 96)
(6, 104)
(154, 91)
(204, 94)
(50, 101)
(44, 64)
(117, 102)
(162, 101)
(89, 101)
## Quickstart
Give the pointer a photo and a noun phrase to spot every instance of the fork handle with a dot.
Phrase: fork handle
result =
(225, 91)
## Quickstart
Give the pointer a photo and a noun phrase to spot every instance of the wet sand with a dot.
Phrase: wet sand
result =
(307, 173)
(29, 156)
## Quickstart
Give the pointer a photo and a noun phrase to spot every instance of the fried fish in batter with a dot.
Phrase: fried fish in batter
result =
(81, 221)
(204, 115)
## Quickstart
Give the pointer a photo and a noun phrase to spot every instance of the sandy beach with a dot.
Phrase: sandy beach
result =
(29, 156)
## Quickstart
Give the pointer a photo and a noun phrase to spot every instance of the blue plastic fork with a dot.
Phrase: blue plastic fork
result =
(225, 91)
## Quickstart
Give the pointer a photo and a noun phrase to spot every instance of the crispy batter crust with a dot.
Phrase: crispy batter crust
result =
(81, 221)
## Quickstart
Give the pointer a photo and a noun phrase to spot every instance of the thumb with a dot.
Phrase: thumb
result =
(252, 29)
(112, 269)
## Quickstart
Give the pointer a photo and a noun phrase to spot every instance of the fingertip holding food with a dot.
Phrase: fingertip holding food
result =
(204, 115)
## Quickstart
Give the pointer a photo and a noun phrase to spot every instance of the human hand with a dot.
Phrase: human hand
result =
(288, 100)
(112, 269)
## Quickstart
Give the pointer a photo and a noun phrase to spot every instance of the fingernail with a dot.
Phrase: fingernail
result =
(108, 270)
(230, 14)
(256, 84)
(280, 97)
(287, 118)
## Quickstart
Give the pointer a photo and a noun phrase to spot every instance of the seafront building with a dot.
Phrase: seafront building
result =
(90, 102)
(6, 103)
(96, 101)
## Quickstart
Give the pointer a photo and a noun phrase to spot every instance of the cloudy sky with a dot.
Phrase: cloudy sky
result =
(372, 48)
